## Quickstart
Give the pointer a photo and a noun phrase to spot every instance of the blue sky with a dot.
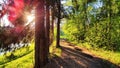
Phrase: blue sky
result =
(98, 4)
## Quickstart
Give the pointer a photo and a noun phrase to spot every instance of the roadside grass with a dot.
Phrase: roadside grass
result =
(24, 57)
(23, 62)
(112, 56)
(18, 58)
(54, 50)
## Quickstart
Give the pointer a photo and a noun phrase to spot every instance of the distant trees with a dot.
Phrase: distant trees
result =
(95, 22)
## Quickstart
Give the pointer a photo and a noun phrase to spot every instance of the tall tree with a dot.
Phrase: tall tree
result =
(58, 23)
(52, 14)
(47, 27)
(41, 59)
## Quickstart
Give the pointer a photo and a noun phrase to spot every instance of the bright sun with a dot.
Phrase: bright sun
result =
(30, 18)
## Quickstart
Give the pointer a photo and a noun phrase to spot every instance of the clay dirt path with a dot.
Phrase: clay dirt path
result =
(74, 57)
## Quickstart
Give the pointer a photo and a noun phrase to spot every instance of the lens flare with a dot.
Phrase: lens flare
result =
(30, 19)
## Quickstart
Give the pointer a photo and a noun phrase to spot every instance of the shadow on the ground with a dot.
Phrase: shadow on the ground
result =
(72, 58)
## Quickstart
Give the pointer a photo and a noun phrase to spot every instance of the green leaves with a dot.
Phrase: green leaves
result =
(100, 26)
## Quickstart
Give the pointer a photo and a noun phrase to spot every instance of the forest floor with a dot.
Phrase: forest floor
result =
(76, 57)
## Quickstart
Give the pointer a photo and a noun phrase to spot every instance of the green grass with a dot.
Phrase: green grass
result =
(23, 62)
(54, 50)
(111, 56)
(24, 57)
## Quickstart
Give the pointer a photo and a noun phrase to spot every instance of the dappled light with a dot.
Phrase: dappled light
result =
(59, 34)
(30, 18)
(19, 31)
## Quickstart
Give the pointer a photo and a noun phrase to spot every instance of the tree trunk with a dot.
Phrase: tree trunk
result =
(52, 24)
(58, 24)
(47, 27)
(40, 39)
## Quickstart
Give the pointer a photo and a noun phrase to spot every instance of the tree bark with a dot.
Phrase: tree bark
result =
(52, 25)
(41, 58)
(52, 9)
(47, 27)
(58, 24)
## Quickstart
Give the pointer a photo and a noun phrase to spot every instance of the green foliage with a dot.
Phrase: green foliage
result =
(100, 27)
(54, 50)
(11, 56)
(104, 54)
(21, 62)
(108, 55)
(24, 58)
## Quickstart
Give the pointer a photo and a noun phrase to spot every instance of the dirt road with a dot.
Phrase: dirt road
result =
(74, 57)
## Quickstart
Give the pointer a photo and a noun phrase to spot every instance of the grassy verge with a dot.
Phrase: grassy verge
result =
(54, 50)
(111, 56)
(23, 62)
(19, 58)
(24, 57)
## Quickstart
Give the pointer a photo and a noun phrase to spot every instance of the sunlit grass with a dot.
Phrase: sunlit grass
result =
(23, 62)
(54, 50)
(111, 56)
(19, 58)
(24, 57)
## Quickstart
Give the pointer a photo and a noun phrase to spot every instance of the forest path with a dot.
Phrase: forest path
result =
(74, 57)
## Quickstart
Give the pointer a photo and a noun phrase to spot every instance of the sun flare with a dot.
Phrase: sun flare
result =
(30, 18)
